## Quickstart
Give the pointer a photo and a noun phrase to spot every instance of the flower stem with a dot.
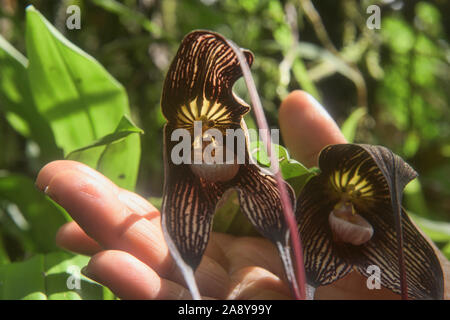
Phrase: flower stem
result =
(397, 210)
(300, 290)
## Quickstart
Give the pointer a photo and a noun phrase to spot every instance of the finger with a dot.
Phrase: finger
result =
(136, 203)
(51, 169)
(255, 283)
(129, 278)
(216, 248)
(71, 237)
(93, 201)
(306, 127)
(103, 217)
(259, 252)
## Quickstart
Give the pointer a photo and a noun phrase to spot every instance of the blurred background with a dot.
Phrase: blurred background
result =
(387, 86)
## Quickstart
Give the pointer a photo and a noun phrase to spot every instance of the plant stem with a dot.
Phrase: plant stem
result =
(397, 210)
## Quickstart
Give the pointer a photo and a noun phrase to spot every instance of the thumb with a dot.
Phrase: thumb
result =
(306, 127)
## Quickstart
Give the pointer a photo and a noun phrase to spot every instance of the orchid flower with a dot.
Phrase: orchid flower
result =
(350, 218)
(197, 96)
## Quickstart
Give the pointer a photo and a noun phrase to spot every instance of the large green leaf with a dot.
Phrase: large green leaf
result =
(17, 103)
(73, 92)
(36, 218)
(54, 276)
(86, 108)
(116, 155)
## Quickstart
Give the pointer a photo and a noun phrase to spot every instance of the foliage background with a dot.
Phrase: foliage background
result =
(388, 86)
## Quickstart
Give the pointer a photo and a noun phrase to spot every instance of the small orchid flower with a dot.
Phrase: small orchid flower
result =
(350, 218)
(197, 96)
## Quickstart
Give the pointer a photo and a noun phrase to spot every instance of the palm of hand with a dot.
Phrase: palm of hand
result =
(122, 231)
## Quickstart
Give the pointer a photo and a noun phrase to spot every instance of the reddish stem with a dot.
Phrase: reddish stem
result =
(397, 209)
(300, 290)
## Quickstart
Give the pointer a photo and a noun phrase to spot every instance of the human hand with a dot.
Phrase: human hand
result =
(122, 231)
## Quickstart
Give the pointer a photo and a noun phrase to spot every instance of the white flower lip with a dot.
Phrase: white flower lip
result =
(349, 227)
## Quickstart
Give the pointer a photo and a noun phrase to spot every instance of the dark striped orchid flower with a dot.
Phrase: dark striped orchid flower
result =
(350, 217)
(197, 94)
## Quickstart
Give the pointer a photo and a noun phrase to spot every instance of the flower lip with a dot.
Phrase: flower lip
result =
(215, 172)
(348, 226)
(211, 169)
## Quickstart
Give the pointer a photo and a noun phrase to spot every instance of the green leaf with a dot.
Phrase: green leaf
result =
(86, 108)
(398, 34)
(23, 280)
(4, 257)
(130, 15)
(446, 250)
(116, 155)
(429, 18)
(438, 231)
(18, 123)
(156, 201)
(16, 100)
(74, 93)
(411, 144)
(36, 217)
(292, 171)
(59, 267)
(125, 128)
(54, 276)
(120, 162)
(415, 199)
(301, 75)
(228, 217)
(350, 125)
(9, 51)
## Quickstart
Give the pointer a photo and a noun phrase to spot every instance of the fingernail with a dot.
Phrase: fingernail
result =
(85, 272)
(316, 104)
(48, 192)
(36, 185)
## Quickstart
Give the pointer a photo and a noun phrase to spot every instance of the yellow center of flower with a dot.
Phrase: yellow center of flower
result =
(211, 114)
(350, 184)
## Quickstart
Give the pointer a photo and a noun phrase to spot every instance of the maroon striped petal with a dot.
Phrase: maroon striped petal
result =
(198, 87)
(259, 198)
(199, 83)
(187, 209)
(324, 261)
